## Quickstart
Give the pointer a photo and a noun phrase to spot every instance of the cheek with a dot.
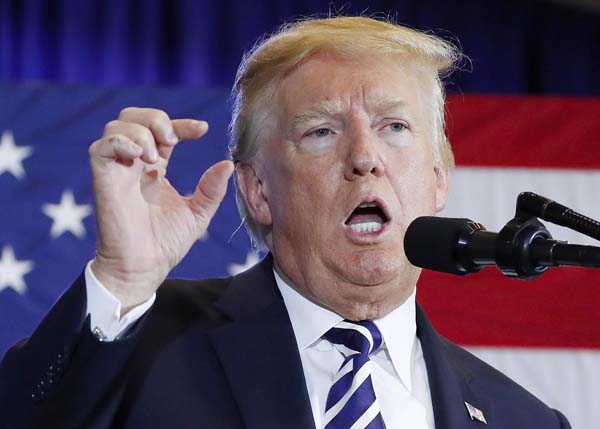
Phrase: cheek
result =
(413, 182)
(310, 175)
(303, 194)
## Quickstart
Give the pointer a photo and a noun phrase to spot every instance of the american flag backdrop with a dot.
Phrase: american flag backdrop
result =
(543, 333)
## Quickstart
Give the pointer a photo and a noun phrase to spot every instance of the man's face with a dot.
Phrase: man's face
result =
(346, 168)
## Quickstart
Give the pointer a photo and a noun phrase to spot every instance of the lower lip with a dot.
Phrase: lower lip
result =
(365, 237)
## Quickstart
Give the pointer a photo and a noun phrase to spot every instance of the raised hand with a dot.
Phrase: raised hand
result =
(145, 227)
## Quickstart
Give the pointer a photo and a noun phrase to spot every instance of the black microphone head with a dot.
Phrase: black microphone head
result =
(432, 242)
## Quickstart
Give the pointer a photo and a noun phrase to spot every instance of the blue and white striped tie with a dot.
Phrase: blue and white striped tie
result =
(351, 403)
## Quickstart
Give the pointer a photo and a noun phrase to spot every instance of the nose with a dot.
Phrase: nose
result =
(363, 157)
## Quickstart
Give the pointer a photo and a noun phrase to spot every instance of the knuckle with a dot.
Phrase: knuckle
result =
(96, 147)
(115, 139)
(159, 120)
(155, 124)
(162, 115)
(93, 148)
(111, 126)
(127, 111)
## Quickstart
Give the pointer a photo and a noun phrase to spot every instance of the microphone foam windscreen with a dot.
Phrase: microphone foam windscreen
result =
(431, 242)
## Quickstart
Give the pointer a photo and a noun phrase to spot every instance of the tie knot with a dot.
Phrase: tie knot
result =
(352, 338)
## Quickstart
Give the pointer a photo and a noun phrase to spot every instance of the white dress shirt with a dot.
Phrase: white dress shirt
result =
(399, 374)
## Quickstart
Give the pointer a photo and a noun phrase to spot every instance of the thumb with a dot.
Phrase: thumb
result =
(210, 192)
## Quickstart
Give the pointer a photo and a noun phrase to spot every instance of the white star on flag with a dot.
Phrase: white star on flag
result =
(251, 260)
(67, 216)
(12, 156)
(12, 271)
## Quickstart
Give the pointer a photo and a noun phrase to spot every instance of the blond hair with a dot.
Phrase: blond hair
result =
(271, 59)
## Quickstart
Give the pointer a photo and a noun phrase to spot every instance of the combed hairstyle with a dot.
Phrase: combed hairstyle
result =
(271, 59)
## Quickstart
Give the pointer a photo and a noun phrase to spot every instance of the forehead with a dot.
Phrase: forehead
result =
(328, 83)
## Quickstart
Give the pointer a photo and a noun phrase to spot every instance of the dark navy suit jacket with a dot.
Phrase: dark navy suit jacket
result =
(218, 354)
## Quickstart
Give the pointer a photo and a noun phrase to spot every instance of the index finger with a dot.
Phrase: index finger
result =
(157, 121)
(185, 129)
(164, 130)
(189, 129)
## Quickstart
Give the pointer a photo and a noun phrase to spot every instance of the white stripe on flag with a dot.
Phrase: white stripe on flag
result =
(565, 379)
(488, 195)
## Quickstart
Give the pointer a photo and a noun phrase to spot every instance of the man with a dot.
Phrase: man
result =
(338, 143)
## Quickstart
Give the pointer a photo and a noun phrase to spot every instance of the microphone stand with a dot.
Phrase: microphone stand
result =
(524, 248)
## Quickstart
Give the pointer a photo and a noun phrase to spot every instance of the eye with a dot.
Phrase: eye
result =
(397, 126)
(321, 132)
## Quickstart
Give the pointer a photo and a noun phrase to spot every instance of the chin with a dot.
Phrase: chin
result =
(370, 283)
(371, 267)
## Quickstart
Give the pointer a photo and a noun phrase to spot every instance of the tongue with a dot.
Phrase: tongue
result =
(363, 218)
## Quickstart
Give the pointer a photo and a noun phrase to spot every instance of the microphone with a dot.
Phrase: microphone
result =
(523, 248)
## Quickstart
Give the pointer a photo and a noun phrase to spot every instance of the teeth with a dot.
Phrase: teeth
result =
(366, 227)
(365, 205)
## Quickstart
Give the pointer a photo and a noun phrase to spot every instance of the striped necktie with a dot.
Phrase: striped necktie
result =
(351, 403)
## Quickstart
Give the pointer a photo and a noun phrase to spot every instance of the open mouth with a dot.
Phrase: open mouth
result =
(367, 217)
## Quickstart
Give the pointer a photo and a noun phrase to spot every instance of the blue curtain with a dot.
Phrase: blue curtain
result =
(525, 46)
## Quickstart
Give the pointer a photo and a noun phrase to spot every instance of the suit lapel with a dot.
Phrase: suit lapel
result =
(260, 358)
(259, 353)
(449, 381)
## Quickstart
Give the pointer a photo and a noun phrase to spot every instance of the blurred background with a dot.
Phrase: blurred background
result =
(523, 114)
(524, 47)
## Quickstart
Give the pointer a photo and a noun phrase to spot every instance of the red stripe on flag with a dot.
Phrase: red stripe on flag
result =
(562, 307)
(559, 309)
(545, 132)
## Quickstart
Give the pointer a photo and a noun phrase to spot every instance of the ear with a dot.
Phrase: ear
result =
(441, 187)
(254, 194)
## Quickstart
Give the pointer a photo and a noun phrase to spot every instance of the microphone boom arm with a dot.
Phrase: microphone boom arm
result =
(530, 204)
(525, 249)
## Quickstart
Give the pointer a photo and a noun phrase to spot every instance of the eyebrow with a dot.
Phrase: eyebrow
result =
(328, 108)
(384, 104)
(319, 110)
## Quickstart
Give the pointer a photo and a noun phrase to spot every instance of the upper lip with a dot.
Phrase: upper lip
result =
(369, 199)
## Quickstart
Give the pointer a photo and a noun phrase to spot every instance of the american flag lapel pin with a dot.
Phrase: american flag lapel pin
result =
(475, 413)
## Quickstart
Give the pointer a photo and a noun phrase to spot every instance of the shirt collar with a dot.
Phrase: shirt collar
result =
(399, 332)
(310, 322)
